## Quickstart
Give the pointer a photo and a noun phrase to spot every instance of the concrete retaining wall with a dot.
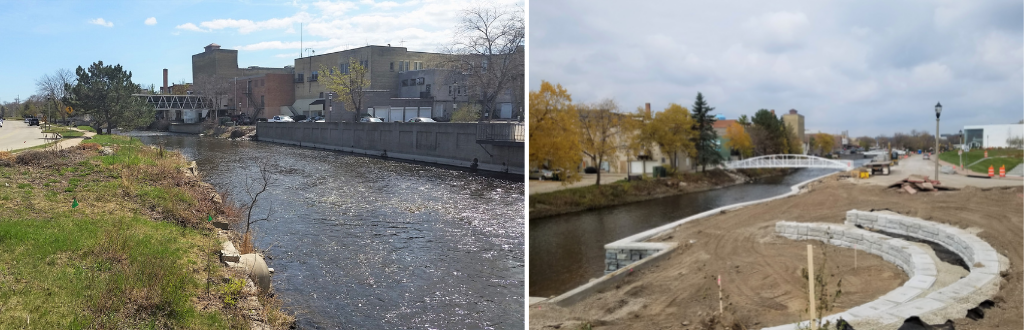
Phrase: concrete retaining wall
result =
(442, 143)
(186, 128)
(889, 311)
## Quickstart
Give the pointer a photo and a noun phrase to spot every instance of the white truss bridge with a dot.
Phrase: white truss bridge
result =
(790, 161)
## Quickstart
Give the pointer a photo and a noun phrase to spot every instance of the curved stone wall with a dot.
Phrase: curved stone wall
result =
(889, 311)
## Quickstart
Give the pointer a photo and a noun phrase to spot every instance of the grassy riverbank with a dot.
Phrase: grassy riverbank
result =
(136, 253)
(997, 157)
(623, 192)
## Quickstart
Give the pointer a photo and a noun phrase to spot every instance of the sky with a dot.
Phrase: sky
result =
(869, 67)
(145, 37)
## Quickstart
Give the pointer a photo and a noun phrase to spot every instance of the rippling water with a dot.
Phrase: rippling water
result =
(368, 243)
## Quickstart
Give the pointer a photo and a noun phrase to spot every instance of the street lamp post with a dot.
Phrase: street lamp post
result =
(938, 111)
(961, 153)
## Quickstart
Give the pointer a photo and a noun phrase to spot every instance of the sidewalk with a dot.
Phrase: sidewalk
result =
(71, 142)
(917, 165)
(539, 187)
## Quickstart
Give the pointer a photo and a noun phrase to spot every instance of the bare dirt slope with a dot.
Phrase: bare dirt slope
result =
(761, 272)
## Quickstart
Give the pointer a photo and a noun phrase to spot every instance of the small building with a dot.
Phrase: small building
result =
(795, 122)
(991, 136)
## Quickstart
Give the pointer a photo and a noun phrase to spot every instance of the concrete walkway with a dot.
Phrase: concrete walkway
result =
(538, 186)
(70, 142)
(917, 165)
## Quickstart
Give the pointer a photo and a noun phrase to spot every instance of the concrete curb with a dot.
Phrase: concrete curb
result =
(889, 311)
(637, 254)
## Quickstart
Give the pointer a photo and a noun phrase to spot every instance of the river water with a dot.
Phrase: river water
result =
(567, 250)
(369, 243)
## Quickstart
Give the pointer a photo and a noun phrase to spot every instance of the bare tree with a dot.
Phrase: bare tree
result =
(255, 186)
(599, 126)
(214, 91)
(487, 54)
(56, 89)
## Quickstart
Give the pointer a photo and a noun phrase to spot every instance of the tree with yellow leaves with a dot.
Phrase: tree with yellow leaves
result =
(674, 132)
(739, 140)
(555, 132)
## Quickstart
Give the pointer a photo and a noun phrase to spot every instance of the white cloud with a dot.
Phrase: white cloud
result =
(189, 27)
(101, 21)
(334, 9)
(151, 21)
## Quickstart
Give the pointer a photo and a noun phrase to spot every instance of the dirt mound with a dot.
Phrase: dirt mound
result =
(761, 272)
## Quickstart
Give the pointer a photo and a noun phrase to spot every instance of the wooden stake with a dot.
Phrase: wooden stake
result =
(810, 285)
(854, 257)
(719, 293)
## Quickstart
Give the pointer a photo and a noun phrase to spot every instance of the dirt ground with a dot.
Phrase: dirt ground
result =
(761, 272)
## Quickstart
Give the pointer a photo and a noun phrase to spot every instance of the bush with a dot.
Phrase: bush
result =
(90, 146)
(237, 133)
(6, 159)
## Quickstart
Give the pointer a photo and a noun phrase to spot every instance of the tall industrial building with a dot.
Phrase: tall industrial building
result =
(795, 122)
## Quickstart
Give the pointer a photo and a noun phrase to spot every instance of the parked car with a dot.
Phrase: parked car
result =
(33, 122)
(541, 174)
(369, 119)
(28, 118)
(927, 156)
(590, 170)
(281, 118)
(421, 120)
(261, 119)
(298, 118)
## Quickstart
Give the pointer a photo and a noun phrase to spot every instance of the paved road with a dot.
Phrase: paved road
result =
(16, 134)
(537, 186)
(917, 165)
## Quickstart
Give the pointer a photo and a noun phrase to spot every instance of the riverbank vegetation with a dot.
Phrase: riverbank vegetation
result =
(112, 234)
(624, 192)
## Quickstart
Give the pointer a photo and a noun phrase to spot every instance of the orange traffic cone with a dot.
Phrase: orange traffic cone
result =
(990, 171)
(986, 153)
(1002, 171)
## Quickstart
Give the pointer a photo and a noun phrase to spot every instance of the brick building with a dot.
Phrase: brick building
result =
(271, 92)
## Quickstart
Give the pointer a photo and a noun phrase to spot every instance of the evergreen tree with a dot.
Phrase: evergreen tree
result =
(706, 140)
(105, 92)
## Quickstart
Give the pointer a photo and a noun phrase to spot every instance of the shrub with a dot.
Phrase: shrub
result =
(90, 146)
(237, 133)
(6, 159)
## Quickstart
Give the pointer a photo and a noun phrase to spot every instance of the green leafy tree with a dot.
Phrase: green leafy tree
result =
(743, 120)
(468, 112)
(105, 92)
(706, 140)
(351, 87)
(767, 133)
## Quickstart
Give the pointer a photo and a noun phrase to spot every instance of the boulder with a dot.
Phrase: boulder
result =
(258, 271)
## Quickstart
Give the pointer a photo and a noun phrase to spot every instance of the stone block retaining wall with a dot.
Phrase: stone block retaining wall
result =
(889, 311)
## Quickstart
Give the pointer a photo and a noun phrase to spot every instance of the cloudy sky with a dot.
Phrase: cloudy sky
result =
(870, 67)
(147, 36)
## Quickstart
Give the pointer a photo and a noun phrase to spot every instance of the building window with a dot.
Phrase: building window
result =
(321, 94)
(420, 81)
(428, 88)
(314, 76)
(392, 66)
(298, 78)
(450, 90)
(405, 82)
(262, 101)
(483, 66)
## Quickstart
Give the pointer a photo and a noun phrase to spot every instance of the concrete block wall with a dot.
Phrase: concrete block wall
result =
(618, 256)
(443, 143)
(889, 311)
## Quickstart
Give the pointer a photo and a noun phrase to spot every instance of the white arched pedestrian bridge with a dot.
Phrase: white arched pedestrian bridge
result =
(789, 161)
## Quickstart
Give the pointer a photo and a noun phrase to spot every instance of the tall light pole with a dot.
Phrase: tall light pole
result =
(938, 111)
(961, 153)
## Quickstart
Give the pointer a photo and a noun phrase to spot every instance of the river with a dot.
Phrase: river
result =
(369, 243)
(567, 250)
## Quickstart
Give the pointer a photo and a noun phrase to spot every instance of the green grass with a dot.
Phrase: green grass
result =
(108, 140)
(122, 260)
(64, 132)
(87, 128)
(997, 157)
